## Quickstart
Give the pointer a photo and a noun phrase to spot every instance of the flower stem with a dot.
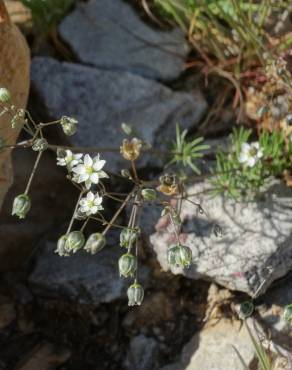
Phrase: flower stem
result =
(75, 210)
(115, 216)
(33, 172)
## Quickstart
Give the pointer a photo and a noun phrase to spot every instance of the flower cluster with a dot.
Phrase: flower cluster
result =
(85, 169)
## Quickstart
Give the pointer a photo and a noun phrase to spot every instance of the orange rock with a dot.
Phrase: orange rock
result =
(14, 75)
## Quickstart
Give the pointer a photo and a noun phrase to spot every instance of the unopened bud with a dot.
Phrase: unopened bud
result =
(5, 96)
(40, 145)
(128, 237)
(95, 243)
(21, 205)
(127, 265)
(179, 256)
(69, 125)
(149, 194)
(61, 246)
(135, 294)
(75, 241)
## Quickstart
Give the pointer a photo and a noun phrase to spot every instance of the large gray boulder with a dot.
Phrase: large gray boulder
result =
(109, 34)
(102, 100)
(255, 248)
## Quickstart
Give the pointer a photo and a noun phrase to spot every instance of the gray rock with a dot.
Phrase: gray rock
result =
(82, 277)
(109, 34)
(255, 248)
(213, 348)
(270, 314)
(102, 100)
(142, 353)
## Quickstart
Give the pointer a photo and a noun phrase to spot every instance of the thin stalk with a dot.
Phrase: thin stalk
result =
(115, 216)
(75, 210)
(33, 172)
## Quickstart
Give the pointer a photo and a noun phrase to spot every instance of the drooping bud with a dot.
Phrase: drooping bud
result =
(287, 315)
(95, 243)
(21, 205)
(75, 241)
(127, 265)
(179, 256)
(135, 294)
(126, 128)
(5, 96)
(149, 194)
(69, 125)
(40, 145)
(61, 246)
(128, 237)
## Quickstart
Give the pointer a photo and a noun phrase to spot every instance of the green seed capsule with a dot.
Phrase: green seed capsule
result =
(40, 145)
(21, 205)
(128, 237)
(69, 125)
(61, 246)
(5, 96)
(75, 241)
(179, 256)
(149, 194)
(127, 265)
(135, 294)
(287, 315)
(95, 243)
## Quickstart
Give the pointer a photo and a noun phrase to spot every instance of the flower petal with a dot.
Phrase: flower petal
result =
(98, 165)
(88, 160)
(94, 178)
(80, 169)
(90, 196)
(102, 174)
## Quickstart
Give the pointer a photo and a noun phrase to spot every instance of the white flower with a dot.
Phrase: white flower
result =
(250, 154)
(90, 204)
(90, 171)
(67, 158)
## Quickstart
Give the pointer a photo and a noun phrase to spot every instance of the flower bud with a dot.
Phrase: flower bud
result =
(135, 294)
(128, 237)
(127, 265)
(40, 145)
(95, 243)
(75, 241)
(61, 246)
(149, 194)
(5, 96)
(179, 256)
(69, 125)
(21, 205)
(287, 315)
